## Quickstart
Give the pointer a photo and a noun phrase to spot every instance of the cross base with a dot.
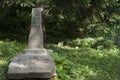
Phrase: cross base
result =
(33, 63)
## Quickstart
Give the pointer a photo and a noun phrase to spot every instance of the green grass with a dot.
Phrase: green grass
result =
(8, 49)
(82, 63)
(87, 63)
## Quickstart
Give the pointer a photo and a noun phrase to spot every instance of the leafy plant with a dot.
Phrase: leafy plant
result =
(8, 49)
(87, 63)
(60, 61)
(97, 43)
(82, 63)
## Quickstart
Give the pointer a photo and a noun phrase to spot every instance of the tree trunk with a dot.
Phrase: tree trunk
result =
(43, 22)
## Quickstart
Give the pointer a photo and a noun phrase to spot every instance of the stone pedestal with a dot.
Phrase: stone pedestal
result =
(33, 63)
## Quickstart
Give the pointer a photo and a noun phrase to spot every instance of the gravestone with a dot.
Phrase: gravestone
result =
(36, 33)
(60, 44)
(34, 62)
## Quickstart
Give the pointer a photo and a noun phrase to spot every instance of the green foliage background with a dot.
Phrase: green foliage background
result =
(86, 27)
(65, 19)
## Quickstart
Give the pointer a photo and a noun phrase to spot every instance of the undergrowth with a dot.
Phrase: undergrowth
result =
(72, 63)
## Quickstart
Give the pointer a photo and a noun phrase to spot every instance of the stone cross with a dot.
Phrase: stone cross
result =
(34, 62)
(36, 33)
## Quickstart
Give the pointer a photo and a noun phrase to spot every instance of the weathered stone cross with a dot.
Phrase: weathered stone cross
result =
(35, 62)
(36, 33)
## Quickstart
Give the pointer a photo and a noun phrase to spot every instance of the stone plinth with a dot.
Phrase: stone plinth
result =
(33, 63)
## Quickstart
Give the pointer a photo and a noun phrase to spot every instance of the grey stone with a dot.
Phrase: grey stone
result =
(32, 65)
(36, 19)
(60, 44)
(34, 62)
(36, 32)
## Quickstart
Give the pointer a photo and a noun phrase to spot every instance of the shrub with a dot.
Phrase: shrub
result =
(97, 43)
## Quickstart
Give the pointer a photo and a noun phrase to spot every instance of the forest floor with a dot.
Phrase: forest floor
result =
(73, 63)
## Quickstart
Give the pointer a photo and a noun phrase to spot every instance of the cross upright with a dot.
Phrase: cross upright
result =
(36, 32)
